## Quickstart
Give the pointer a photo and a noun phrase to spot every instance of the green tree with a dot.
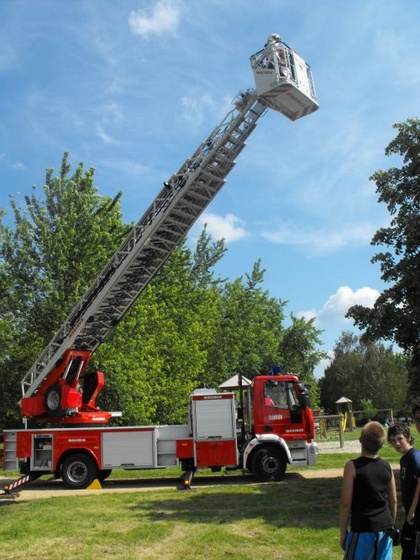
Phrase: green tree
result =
(249, 329)
(396, 313)
(369, 411)
(299, 352)
(59, 243)
(207, 254)
(364, 371)
(158, 353)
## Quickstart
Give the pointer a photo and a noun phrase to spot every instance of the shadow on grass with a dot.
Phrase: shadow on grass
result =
(292, 502)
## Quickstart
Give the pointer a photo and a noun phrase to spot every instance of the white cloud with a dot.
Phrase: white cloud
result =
(228, 227)
(332, 314)
(322, 241)
(164, 19)
(106, 138)
(127, 167)
(194, 110)
(307, 315)
(19, 165)
(337, 305)
(110, 113)
(324, 363)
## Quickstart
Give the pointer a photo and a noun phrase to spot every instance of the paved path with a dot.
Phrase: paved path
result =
(47, 488)
(334, 446)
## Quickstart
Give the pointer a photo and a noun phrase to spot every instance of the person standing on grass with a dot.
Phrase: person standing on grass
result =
(368, 500)
(399, 436)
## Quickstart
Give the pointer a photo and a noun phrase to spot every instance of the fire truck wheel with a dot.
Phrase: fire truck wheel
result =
(78, 470)
(52, 400)
(269, 464)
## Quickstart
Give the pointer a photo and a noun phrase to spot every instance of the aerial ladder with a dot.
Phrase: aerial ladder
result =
(59, 387)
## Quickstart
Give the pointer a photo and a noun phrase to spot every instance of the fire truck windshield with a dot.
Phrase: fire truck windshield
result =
(280, 394)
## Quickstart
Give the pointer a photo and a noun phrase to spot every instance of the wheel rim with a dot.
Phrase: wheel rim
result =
(270, 464)
(77, 472)
(53, 400)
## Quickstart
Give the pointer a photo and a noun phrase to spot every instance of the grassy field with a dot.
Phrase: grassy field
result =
(293, 519)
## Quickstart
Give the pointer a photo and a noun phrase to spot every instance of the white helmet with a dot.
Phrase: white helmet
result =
(273, 38)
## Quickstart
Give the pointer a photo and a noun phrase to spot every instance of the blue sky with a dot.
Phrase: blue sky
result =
(133, 87)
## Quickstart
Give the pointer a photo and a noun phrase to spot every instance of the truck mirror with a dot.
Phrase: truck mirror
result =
(303, 398)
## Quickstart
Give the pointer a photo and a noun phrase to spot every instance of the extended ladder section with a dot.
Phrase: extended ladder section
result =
(158, 233)
(160, 230)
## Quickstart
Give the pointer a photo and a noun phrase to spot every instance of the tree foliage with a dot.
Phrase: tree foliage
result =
(299, 352)
(157, 355)
(364, 371)
(47, 261)
(249, 329)
(59, 244)
(396, 313)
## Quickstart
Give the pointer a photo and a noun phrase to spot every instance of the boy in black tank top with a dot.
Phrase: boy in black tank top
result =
(399, 435)
(368, 501)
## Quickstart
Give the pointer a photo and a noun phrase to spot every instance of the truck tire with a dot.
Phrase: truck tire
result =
(104, 474)
(78, 470)
(52, 400)
(269, 464)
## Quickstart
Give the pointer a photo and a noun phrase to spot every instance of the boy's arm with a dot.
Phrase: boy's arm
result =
(414, 503)
(345, 500)
(393, 498)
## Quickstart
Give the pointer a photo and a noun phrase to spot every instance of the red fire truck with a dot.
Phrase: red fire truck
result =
(272, 424)
(274, 428)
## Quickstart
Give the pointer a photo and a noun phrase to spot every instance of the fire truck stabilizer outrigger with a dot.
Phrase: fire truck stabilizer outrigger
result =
(272, 426)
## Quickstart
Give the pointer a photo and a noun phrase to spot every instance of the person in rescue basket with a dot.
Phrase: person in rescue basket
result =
(399, 436)
(368, 501)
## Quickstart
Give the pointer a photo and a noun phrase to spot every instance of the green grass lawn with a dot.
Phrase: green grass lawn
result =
(293, 519)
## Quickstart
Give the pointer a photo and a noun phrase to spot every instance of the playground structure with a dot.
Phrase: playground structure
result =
(330, 426)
